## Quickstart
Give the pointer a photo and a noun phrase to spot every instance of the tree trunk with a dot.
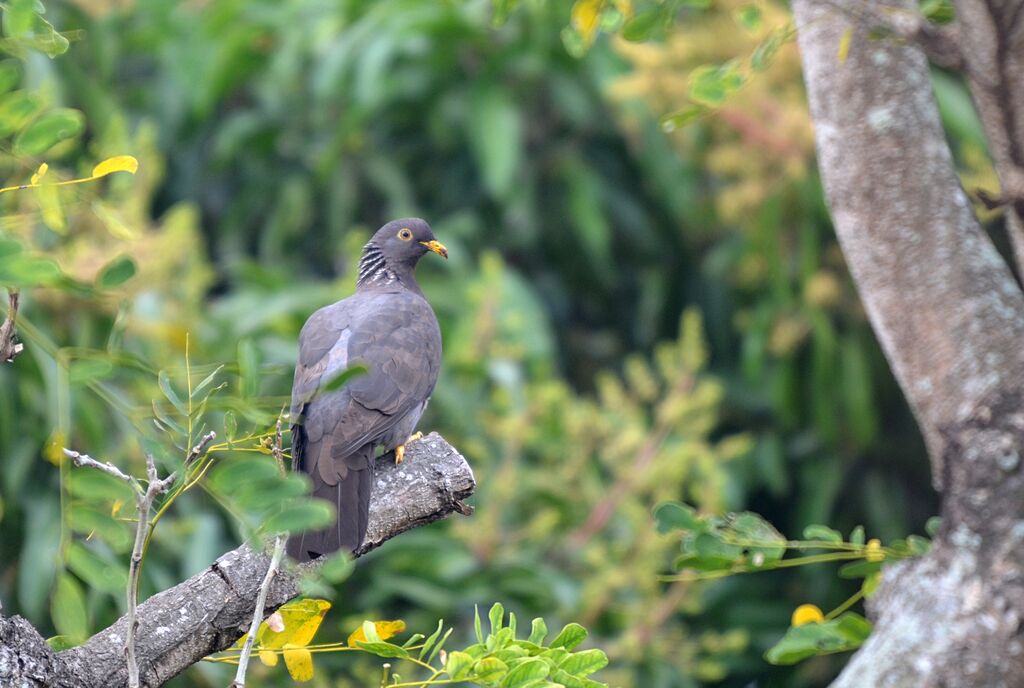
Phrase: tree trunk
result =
(950, 319)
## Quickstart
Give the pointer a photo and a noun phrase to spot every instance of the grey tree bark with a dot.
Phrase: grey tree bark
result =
(210, 611)
(950, 318)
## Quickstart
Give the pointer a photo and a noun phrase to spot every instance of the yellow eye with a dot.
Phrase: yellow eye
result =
(405, 234)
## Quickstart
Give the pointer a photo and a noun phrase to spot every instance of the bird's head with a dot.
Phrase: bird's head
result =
(395, 248)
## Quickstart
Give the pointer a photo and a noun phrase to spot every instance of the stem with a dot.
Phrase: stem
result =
(275, 563)
(144, 501)
(257, 614)
(852, 600)
(133, 589)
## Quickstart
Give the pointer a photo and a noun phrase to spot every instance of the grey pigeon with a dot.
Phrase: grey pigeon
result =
(388, 327)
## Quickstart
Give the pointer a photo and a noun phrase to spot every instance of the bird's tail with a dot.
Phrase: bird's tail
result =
(351, 497)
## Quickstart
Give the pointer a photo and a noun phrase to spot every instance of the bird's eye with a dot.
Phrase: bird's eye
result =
(405, 234)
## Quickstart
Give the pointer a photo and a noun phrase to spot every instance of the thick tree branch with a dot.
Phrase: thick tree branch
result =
(993, 59)
(211, 610)
(950, 319)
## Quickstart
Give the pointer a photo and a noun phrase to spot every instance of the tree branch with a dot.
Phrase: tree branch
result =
(210, 611)
(9, 348)
(950, 319)
(993, 59)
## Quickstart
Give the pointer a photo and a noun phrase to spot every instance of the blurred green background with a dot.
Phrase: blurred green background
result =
(629, 314)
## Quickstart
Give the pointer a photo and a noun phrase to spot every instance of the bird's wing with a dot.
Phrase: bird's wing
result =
(395, 336)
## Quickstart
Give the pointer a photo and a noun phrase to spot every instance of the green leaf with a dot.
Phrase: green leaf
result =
(96, 486)
(337, 567)
(67, 609)
(857, 536)
(860, 569)
(248, 367)
(263, 495)
(439, 645)
(711, 85)
(18, 17)
(10, 74)
(29, 271)
(230, 473)
(476, 624)
(538, 631)
(489, 670)
(584, 663)
(749, 17)
(16, 109)
(164, 380)
(644, 25)
(569, 637)
(495, 137)
(230, 425)
(932, 525)
(871, 583)
(847, 632)
(48, 130)
(92, 522)
(679, 119)
(116, 272)
(339, 380)
(675, 516)
(918, 545)
(87, 370)
(458, 665)
(823, 533)
(429, 642)
(98, 573)
(301, 516)
(496, 616)
(384, 649)
(525, 673)
(207, 381)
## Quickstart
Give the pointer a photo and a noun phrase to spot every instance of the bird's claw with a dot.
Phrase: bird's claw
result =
(400, 449)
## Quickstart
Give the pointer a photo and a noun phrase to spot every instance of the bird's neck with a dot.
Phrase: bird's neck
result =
(375, 271)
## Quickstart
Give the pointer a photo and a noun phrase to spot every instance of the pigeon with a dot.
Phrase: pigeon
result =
(387, 328)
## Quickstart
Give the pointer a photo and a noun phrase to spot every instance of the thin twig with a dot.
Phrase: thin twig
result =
(257, 615)
(9, 348)
(144, 502)
(198, 449)
(275, 564)
(106, 467)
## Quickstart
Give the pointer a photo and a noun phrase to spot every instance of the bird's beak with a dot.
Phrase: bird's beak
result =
(437, 247)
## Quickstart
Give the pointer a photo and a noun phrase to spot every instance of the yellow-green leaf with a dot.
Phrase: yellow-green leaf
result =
(586, 17)
(50, 207)
(48, 130)
(385, 630)
(67, 608)
(40, 173)
(301, 619)
(299, 662)
(113, 221)
(118, 163)
(268, 658)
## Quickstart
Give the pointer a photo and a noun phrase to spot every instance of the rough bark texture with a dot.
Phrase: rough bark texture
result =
(992, 49)
(950, 318)
(211, 610)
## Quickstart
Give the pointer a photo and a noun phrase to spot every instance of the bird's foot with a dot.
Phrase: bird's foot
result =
(400, 449)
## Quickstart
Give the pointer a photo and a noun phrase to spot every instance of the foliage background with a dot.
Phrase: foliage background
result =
(629, 314)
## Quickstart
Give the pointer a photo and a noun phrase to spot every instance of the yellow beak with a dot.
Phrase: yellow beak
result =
(437, 247)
